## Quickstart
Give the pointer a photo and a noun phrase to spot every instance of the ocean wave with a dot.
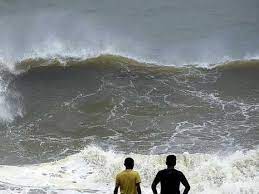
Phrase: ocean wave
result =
(94, 170)
(115, 61)
(119, 64)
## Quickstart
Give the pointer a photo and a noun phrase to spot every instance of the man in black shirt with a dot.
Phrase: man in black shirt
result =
(170, 178)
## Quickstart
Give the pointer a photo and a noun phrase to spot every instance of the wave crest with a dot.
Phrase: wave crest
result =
(116, 61)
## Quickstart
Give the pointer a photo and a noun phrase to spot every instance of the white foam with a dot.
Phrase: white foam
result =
(252, 56)
(95, 169)
(8, 111)
(53, 47)
(214, 99)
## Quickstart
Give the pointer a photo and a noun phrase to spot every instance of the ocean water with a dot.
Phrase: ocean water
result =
(85, 84)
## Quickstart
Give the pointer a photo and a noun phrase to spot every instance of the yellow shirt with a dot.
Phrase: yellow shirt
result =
(127, 181)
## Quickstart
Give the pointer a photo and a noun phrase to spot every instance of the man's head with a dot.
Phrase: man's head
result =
(129, 163)
(171, 160)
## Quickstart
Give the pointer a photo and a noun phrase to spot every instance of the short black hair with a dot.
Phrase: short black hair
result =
(171, 160)
(129, 163)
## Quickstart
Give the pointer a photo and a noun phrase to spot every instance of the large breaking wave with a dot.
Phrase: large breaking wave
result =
(8, 112)
(205, 90)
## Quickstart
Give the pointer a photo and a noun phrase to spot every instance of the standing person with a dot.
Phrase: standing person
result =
(170, 179)
(128, 180)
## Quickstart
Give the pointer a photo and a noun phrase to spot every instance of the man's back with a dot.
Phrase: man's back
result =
(170, 180)
(127, 181)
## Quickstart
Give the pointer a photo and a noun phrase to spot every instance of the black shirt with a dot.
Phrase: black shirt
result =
(170, 181)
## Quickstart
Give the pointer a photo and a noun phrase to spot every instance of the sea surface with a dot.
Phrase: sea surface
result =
(86, 83)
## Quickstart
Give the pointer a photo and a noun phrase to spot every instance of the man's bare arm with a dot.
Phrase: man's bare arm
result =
(154, 184)
(186, 185)
(154, 187)
(116, 189)
(138, 188)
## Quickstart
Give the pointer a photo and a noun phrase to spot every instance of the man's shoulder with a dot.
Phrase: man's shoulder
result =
(162, 171)
(179, 172)
(132, 172)
(120, 173)
(166, 170)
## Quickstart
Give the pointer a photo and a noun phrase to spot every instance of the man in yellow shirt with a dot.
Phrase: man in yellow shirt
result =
(128, 180)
